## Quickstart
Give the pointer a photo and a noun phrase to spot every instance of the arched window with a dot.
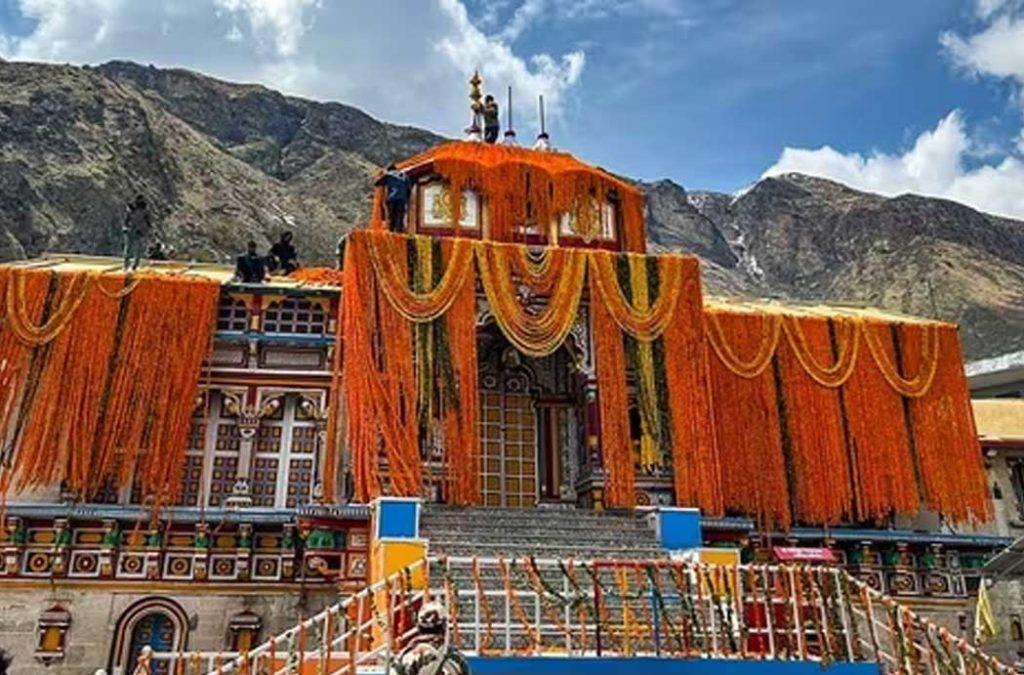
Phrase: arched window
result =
(295, 316)
(436, 207)
(158, 623)
(596, 223)
(1016, 629)
(232, 315)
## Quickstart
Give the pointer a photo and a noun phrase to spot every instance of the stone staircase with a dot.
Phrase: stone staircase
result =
(543, 533)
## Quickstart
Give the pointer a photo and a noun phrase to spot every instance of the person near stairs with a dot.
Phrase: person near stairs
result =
(428, 652)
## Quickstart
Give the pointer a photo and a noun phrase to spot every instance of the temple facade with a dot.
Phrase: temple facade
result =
(196, 476)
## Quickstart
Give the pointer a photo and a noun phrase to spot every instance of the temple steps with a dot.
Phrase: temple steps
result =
(545, 533)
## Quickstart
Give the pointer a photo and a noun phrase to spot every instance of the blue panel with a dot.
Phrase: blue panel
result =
(398, 519)
(651, 666)
(679, 528)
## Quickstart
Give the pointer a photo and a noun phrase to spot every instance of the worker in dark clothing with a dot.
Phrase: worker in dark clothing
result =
(156, 251)
(492, 122)
(397, 189)
(250, 268)
(284, 251)
(136, 228)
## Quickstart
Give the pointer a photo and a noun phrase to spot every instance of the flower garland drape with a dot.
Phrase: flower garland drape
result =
(100, 377)
(521, 185)
(864, 404)
(746, 414)
(799, 415)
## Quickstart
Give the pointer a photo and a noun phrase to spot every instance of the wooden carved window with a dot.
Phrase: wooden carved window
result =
(294, 316)
(232, 315)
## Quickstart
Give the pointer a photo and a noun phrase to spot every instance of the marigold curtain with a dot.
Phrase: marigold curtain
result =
(101, 377)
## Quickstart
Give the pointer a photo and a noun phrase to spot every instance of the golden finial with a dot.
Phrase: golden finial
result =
(475, 94)
(476, 107)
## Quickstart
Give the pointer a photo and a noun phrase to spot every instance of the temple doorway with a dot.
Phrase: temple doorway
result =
(529, 425)
(508, 442)
(158, 623)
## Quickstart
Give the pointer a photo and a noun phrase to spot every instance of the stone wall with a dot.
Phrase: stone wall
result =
(95, 612)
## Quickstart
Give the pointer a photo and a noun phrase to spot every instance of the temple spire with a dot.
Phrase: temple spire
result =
(510, 132)
(474, 132)
(543, 141)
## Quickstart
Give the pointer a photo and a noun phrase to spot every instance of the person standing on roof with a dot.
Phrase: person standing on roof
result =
(492, 121)
(250, 268)
(284, 252)
(136, 228)
(397, 189)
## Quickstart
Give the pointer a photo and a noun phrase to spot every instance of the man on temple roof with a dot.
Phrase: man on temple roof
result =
(397, 189)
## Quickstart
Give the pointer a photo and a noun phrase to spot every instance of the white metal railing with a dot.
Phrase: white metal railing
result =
(672, 609)
(359, 633)
(905, 642)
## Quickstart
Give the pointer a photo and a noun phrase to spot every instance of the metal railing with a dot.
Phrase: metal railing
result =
(362, 632)
(620, 608)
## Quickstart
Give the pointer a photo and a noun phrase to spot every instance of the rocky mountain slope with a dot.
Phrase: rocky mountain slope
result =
(221, 163)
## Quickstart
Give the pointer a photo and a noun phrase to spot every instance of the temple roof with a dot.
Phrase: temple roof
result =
(793, 308)
(220, 273)
(490, 156)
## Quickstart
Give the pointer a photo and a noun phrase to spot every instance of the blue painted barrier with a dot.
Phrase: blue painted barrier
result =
(653, 666)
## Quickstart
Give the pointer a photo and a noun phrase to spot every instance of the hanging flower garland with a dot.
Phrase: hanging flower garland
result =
(847, 340)
(379, 384)
(613, 404)
(538, 334)
(876, 334)
(770, 330)
(945, 438)
(520, 185)
(879, 444)
(822, 486)
(59, 317)
(747, 424)
(643, 323)
(387, 253)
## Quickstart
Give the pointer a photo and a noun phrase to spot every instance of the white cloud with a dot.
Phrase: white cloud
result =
(997, 50)
(943, 161)
(933, 166)
(400, 60)
(284, 22)
(470, 47)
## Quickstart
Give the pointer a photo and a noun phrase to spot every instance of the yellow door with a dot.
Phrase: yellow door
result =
(508, 435)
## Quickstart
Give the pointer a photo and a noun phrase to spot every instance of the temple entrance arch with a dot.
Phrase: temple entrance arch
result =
(158, 623)
(530, 424)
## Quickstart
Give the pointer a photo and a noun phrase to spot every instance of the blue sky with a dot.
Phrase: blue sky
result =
(911, 95)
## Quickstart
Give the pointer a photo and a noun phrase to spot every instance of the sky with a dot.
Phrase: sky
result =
(890, 96)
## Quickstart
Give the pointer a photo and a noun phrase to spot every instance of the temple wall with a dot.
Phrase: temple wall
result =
(96, 610)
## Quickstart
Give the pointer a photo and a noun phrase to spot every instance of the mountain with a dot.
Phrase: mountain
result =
(221, 163)
(809, 239)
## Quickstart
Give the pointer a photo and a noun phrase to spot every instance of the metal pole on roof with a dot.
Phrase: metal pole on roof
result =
(543, 140)
(510, 133)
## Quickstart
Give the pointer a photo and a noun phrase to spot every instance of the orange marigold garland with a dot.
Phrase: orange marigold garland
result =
(878, 437)
(461, 434)
(814, 423)
(695, 457)
(520, 185)
(746, 418)
(378, 380)
(534, 334)
(62, 417)
(167, 332)
(15, 355)
(945, 437)
(613, 404)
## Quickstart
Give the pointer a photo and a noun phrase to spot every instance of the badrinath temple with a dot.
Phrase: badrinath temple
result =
(512, 409)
